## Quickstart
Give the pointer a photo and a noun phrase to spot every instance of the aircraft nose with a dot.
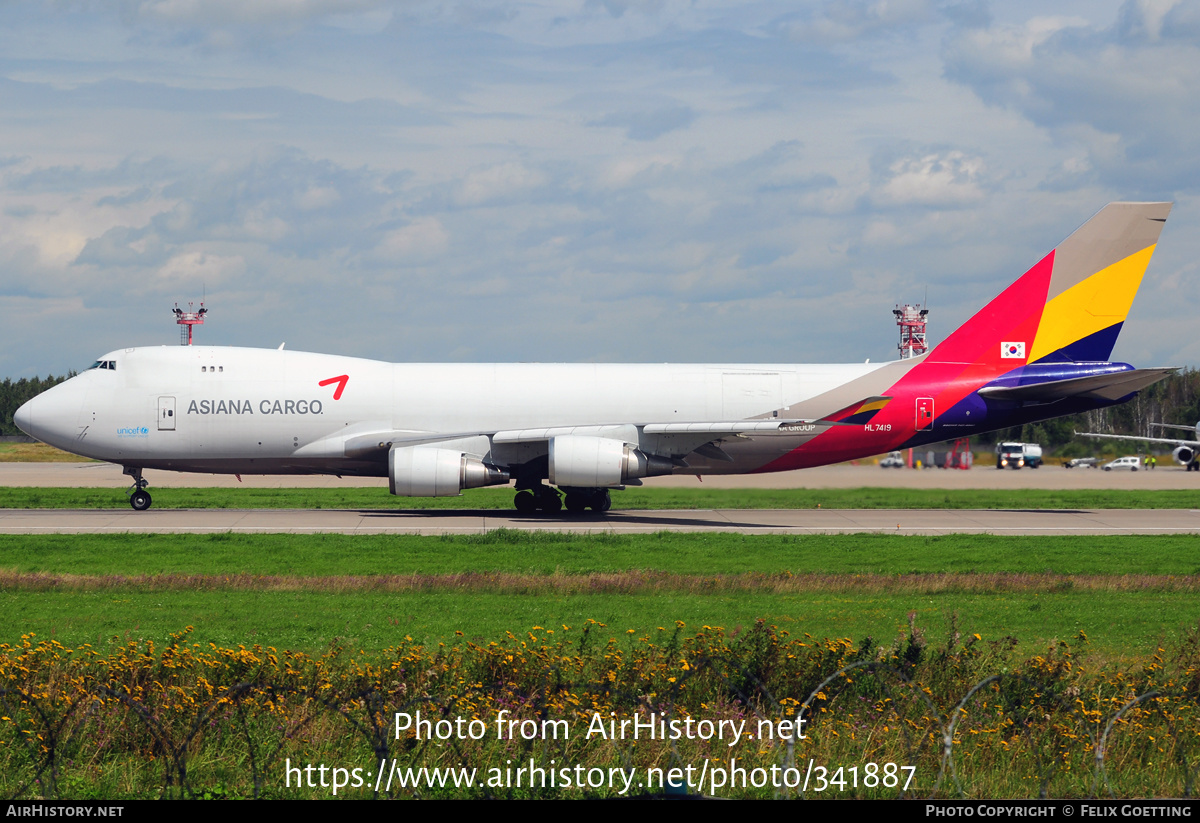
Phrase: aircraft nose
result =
(23, 417)
(51, 417)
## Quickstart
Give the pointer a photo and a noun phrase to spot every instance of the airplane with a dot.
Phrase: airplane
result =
(1038, 350)
(1186, 452)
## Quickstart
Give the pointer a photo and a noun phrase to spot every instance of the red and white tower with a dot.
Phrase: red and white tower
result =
(187, 319)
(911, 320)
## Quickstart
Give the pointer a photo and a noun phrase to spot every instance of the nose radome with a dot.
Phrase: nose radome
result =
(23, 417)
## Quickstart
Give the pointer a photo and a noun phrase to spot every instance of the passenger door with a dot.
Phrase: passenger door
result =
(166, 414)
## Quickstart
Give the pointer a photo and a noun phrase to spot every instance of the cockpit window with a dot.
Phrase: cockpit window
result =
(103, 364)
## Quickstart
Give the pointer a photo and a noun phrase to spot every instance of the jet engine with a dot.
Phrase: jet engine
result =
(424, 471)
(586, 462)
(1184, 455)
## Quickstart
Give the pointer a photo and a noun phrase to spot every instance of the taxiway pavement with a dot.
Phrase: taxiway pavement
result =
(744, 521)
(749, 521)
(842, 476)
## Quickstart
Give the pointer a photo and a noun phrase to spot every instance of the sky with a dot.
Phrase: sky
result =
(594, 180)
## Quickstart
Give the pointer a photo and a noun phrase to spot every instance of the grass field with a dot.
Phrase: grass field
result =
(559, 625)
(306, 591)
(36, 453)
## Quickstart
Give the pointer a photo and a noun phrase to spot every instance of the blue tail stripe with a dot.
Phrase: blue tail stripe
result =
(1094, 348)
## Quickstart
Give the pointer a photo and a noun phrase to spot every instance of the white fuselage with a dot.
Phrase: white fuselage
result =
(266, 411)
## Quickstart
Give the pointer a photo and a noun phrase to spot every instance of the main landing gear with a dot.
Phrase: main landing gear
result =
(538, 499)
(597, 500)
(546, 499)
(139, 498)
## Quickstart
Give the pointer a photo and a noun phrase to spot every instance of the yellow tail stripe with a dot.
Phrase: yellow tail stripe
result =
(1091, 305)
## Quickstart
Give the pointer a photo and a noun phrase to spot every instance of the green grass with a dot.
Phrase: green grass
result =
(1116, 623)
(630, 499)
(37, 453)
(545, 553)
(366, 593)
(306, 591)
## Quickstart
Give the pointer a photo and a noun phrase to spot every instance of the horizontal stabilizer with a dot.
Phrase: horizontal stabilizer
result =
(1112, 386)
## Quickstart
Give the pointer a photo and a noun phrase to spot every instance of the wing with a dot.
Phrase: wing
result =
(673, 440)
(1112, 386)
(424, 463)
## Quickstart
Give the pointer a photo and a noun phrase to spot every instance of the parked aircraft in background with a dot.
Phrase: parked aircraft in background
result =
(1184, 452)
(1038, 350)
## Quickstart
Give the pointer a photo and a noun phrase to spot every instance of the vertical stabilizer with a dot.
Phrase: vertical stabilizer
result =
(1097, 272)
(1071, 305)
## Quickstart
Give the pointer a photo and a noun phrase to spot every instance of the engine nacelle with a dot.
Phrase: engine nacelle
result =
(425, 471)
(1184, 455)
(586, 462)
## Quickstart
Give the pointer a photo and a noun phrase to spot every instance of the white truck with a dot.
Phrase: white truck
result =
(1018, 455)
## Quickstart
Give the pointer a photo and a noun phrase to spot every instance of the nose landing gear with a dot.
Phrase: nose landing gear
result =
(139, 498)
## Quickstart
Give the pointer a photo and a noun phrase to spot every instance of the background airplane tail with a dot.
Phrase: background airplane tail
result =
(1071, 305)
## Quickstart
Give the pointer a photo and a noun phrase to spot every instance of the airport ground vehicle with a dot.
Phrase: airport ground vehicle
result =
(1124, 464)
(1018, 455)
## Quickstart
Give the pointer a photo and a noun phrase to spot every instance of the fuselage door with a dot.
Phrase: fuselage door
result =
(924, 414)
(166, 414)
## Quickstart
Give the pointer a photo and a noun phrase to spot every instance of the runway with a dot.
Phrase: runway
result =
(746, 521)
(743, 521)
(841, 476)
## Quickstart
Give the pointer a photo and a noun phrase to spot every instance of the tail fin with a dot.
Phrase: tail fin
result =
(1070, 306)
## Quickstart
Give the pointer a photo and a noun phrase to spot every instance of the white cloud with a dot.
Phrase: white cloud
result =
(945, 179)
(318, 197)
(197, 268)
(1123, 93)
(842, 20)
(419, 240)
(497, 182)
(624, 171)
(233, 12)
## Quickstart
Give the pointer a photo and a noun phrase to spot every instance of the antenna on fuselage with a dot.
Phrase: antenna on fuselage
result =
(187, 319)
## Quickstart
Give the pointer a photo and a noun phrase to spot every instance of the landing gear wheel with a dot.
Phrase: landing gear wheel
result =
(550, 502)
(602, 502)
(140, 500)
(576, 503)
(525, 502)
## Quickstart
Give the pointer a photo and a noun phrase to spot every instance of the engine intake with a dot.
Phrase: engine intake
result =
(586, 462)
(424, 471)
(1184, 455)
